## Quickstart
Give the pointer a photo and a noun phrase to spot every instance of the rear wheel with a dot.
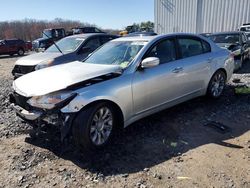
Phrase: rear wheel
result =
(20, 52)
(216, 84)
(93, 128)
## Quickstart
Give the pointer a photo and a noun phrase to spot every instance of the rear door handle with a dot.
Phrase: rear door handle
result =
(177, 70)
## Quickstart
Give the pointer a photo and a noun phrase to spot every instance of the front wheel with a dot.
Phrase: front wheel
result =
(216, 84)
(94, 126)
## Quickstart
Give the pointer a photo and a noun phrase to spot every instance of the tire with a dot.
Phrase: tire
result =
(20, 52)
(216, 84)
(87, 127)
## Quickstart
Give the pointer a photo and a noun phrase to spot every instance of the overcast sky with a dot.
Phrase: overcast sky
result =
(114, 14)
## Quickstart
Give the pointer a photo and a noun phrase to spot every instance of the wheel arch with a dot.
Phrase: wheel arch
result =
(223, 70)
(117, 108)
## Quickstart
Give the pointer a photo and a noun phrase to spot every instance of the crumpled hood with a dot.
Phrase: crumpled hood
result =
(59, 77)
(36, 58)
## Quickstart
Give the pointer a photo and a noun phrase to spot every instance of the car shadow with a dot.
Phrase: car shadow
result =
(158, 138)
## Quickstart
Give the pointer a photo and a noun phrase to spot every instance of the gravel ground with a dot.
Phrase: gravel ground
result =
(173, 148)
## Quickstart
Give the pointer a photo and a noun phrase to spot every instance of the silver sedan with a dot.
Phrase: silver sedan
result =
(121, 82)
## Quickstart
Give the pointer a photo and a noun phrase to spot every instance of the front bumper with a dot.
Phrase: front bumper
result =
(38, 117)
(20, 70)
(27, 115)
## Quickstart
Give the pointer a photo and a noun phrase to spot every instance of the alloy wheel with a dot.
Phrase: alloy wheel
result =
(101, 126)
(218, 84)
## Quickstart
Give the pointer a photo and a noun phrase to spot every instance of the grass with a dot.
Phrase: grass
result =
(242, 90)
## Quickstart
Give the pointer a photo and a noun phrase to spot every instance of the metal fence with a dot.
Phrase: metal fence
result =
(200, 16)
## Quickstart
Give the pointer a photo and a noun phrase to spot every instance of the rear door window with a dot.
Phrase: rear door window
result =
(164, 50)
(10, 42)
(88, 30)
(190, 47)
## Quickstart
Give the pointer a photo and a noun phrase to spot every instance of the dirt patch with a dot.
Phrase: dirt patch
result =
(173, 148)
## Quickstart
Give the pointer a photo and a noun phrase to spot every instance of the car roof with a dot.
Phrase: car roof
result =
(87, 35)
(244, 26)
(13, 39)
(53, 28)
(150, 38)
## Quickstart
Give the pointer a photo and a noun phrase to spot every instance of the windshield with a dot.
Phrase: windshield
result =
(66, 45)
(225, 38)
(47, 34)
(117, 53)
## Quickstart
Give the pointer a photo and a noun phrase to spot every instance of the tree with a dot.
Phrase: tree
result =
(30, 29)
(143, 26)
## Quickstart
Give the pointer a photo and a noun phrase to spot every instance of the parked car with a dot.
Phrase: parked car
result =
(75, 47)
(237, 42)
(81, 30)
(12, 47)
(123, 81)
(49, 36)
(246, 28)
(28, 45)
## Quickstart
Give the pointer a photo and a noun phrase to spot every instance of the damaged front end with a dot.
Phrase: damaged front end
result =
(45, 109)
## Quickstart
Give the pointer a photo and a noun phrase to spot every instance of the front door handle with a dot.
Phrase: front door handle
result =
(177, 70)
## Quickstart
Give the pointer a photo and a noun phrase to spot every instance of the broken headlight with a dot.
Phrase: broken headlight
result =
(50, 101)
(44, 64)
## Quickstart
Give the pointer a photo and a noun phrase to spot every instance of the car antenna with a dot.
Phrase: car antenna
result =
(54, 43)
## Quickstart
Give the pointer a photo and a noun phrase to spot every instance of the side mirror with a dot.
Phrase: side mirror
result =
(150, 62)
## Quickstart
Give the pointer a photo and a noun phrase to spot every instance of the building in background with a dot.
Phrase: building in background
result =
(200, 16)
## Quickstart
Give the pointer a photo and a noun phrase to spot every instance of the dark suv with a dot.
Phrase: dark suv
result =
(49, 36)
(12, 46)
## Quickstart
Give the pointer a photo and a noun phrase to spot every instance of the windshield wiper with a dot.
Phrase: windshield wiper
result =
(54, 44)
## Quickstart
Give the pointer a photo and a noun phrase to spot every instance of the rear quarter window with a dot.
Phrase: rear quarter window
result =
(206, 46)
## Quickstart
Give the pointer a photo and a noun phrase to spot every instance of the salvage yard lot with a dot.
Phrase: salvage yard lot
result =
(170, 149)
